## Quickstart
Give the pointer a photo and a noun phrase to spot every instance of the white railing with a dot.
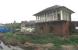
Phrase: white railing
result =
(44, 20)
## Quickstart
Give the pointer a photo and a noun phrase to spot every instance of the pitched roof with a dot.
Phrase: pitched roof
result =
(52, 8)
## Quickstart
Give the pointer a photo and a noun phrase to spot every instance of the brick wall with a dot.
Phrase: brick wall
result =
(61, 28)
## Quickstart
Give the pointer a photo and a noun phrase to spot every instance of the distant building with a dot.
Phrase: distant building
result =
(75, 26)
(55, 19)
(27, 27)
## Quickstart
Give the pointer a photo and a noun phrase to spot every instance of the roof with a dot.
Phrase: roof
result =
(52, 9)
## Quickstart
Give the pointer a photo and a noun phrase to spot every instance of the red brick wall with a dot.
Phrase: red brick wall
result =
(60, 28)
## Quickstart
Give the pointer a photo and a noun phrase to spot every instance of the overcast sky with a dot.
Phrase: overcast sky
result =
(22, 10)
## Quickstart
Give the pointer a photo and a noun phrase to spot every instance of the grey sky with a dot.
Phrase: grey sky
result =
(21, 10)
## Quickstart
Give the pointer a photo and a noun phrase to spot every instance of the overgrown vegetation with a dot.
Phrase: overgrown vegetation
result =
(43, 39)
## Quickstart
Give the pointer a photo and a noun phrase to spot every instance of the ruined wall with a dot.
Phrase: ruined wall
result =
(61, 28)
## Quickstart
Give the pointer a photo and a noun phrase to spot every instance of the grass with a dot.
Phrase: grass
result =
(10, 37)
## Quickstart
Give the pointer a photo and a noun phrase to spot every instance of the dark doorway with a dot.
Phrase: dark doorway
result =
(58, 15)
(51, 29)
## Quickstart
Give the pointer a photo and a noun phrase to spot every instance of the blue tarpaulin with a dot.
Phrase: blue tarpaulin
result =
(4, 29)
